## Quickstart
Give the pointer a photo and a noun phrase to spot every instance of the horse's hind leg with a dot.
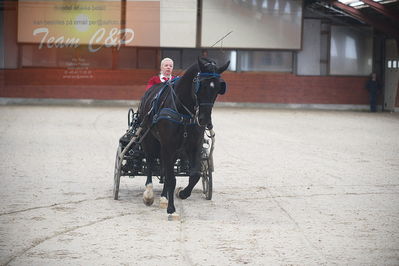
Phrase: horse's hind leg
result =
(148, 195)
(195, 174)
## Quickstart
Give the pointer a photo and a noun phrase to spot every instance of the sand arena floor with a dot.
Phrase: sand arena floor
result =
(290, 187)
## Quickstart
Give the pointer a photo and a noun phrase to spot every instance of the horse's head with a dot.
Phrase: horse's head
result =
(207, 86)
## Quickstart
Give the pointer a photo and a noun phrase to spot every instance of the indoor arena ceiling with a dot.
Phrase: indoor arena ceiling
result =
(381, 15)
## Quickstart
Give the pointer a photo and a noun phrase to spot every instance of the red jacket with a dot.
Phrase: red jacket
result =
(155, 80)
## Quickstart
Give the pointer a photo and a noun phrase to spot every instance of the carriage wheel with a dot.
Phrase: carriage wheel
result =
(117, 172)
(206, 180)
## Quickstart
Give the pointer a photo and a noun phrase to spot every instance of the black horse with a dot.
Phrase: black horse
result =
(176, 114)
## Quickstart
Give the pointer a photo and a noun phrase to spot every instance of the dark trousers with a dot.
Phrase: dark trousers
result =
(373, 102)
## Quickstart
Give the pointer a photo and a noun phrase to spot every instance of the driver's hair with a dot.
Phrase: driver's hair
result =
(166, 59)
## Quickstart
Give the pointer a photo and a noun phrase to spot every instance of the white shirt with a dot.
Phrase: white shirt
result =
(161, 76)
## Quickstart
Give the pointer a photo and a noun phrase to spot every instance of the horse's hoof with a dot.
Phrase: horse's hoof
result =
(148, 195)
(148, 202)
(173, 217)
(178, 192)
(163, 202)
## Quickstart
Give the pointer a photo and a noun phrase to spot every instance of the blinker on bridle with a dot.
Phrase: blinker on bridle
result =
(203, 76)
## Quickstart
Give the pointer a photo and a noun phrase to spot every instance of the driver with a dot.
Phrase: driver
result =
(164, 75)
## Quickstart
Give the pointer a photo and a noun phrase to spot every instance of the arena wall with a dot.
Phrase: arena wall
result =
(130, 85)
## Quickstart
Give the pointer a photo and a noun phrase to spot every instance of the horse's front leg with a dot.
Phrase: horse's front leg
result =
(148, 195)
(167, 162)
(195, 173)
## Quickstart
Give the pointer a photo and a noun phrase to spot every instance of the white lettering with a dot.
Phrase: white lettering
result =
(51, 41)
(59, 42)
(93, 39)
(41, 30)
(72, 42)
(124, 39)
(115, 38)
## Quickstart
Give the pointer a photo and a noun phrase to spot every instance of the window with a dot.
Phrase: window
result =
(222, 56)
(351, 51)
(32, 56)
(265, 61)
(127, 58)
(148, 58)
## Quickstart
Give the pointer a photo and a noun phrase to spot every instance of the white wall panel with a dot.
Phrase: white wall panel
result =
(309, 58)
(264, 24)
(178, 23)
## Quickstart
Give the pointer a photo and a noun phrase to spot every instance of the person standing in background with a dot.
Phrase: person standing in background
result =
(373, 87)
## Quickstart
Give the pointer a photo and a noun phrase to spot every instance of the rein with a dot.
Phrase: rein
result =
(172, 114)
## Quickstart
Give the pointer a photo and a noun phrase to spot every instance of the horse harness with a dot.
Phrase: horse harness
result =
(172, 114)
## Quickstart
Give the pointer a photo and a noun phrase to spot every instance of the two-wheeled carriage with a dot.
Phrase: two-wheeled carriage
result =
(130, 160)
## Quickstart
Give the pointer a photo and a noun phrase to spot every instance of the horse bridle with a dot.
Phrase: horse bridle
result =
(201, 76)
